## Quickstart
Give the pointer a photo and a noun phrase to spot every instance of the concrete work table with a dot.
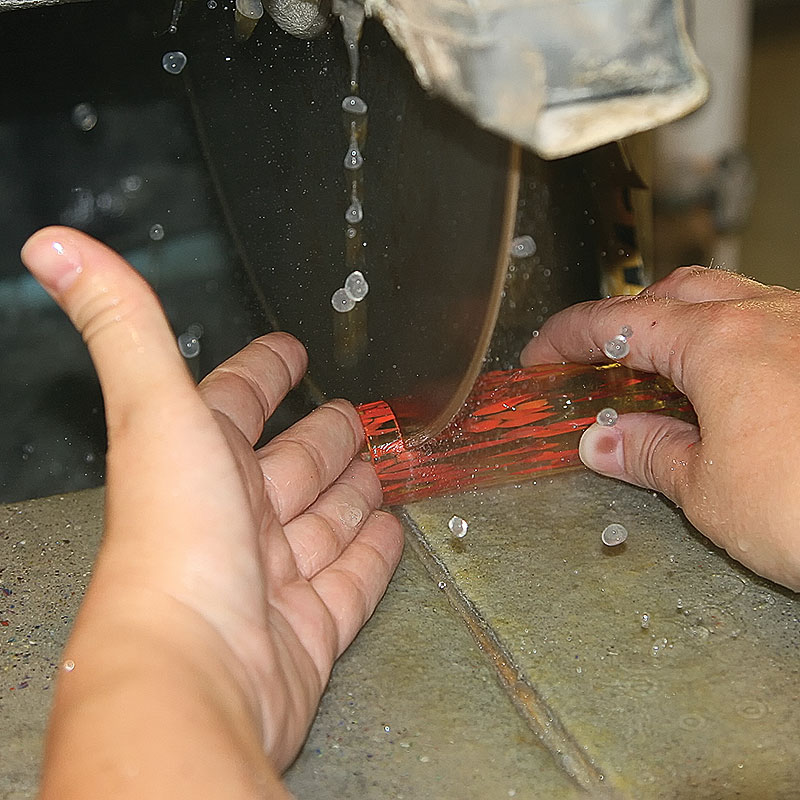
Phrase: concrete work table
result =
(524, 660)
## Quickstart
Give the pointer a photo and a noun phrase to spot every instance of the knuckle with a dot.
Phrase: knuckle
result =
(727, 327)
(100, 312)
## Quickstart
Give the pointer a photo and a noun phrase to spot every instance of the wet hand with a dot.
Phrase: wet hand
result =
(731, 345)
(245, 571)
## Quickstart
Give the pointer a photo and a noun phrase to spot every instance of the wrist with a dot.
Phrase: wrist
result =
(146, 713)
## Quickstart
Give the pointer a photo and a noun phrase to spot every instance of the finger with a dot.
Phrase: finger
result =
(299, 464)
(248, 387)
(579, 333)
(702, 284)
(117, 313)
(650, 450)
(318, 536)
(666, 337)
(353, 584)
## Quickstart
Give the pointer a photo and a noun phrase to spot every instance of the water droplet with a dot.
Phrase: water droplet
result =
(752, 709)
(614, 534)
(607, 417)
(354, 105)
(84, 116)
(251, 9)
(111, 204)
(626, 331)
(174, 62)
(196, 330)
(645, 620)
(442, 584)
(355, 212)
(131, 184)
(523, 247)
(351, 233)
(350, 515)
(156, 232)
(212, 4)
(353, 159)
(691, 722)
(342, 302)
(616, 348)
(535, 335)
(188, 345)
(69, 665)
(356, 286)
(458, 526)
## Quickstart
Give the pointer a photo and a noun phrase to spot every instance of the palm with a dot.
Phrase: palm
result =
(289, 542)
(280, 550)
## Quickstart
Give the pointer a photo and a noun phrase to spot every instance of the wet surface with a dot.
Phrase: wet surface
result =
(46, 553)
(670, 667)
(414, 710)
(657, 668)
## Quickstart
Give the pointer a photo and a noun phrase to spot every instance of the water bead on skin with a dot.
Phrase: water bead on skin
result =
(616, 348)
(607, 417)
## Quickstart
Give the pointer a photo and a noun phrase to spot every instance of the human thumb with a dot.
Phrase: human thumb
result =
(650, 450)
(118, 315)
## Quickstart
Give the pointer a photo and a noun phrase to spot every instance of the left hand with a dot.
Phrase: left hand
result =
(236, 576)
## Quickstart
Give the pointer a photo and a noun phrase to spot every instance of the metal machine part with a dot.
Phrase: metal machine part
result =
(558, 76)
(441, 200)
(15, 5)
(437, 194)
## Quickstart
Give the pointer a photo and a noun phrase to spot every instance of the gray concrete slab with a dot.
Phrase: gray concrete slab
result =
(46, 552)
(698, 699)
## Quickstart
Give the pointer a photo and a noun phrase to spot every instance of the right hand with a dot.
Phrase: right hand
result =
(732, 346)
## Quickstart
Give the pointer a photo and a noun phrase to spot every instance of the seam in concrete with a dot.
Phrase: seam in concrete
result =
(541, 719)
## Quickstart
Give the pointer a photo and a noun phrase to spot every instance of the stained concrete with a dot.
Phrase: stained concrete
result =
(699, 699)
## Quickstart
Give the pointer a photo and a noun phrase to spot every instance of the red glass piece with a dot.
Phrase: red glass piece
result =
(514, 425)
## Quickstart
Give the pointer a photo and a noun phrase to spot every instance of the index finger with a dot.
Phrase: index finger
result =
(249, 386)
(701, 284)
(661, 332)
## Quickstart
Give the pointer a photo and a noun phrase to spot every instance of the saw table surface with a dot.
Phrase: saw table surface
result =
(525, 659)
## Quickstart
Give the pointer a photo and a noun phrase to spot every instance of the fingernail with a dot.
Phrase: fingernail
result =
(600, 449)
(55, 263)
